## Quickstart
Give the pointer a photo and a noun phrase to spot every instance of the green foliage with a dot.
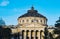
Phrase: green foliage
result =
(46, 33)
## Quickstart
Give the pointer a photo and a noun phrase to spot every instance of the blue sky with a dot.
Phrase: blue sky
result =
(10, 10)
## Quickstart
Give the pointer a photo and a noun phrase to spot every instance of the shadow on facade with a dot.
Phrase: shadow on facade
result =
(16, 36)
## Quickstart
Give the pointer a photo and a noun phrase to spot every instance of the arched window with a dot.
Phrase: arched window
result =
(36, 20)
(27, 20)
(22, 20)
(32, 20)
(41, 21)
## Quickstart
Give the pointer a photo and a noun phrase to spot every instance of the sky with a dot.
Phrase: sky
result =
(10, 10)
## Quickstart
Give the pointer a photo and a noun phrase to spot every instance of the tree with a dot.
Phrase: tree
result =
(5, 33)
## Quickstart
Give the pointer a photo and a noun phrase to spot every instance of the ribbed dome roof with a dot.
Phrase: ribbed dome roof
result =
(32, 13)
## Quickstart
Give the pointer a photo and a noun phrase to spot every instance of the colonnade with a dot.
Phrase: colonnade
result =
(32, 34)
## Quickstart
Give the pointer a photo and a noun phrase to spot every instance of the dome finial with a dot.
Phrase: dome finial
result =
(32, 8)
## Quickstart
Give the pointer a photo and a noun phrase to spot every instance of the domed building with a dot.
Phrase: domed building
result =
(2, 22)
(31, 25)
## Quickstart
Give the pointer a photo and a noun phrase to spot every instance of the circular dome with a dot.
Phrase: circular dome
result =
(32, 13)
(2, 23)
(32, 16)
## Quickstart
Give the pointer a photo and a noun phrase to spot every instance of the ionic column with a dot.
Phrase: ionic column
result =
(38, 34)
(25, 35)
(41, 34)
(29, 35)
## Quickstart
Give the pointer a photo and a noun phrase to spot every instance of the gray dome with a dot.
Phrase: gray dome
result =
(2, 23)
(32, 13)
